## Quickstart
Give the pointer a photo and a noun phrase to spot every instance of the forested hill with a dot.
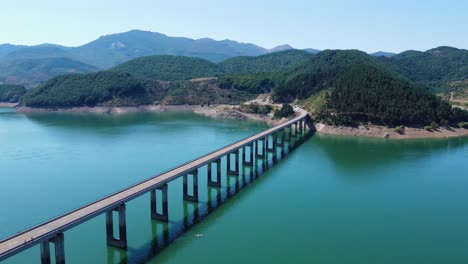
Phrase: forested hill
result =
(350, 86)
(33, 72)
(274, 62)
(434, 69)
(169, 68)
(11, 93)
(110, 88)
(360, 88)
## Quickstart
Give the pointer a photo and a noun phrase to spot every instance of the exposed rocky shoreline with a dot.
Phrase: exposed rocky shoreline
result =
(233, 112)
(213, 111)
(385, 132)
(8, 104)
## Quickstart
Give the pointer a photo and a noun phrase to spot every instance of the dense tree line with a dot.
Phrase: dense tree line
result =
(86, 90)
(169, 68)
(274, 62)
(435, 69)
(121, 89)
(11, 93)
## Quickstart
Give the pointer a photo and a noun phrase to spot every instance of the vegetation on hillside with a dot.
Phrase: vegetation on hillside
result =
(361, 89)
(168, 68)
(86, 90)
(285, 111)
(256, 108)
(274, 62)
(435, 69)
(32, 72)
(252, 83)
(121, 89)
(11, 93)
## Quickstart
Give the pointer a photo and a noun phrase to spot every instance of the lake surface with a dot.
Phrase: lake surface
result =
(332, 200)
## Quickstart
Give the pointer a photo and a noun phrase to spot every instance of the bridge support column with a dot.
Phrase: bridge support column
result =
(194, 196)
(301, 124)
(288, 138)
(260, 154)
(163, 216)
(216, 183)
(234, 171)
(120, 242)
(244, 155)
(58, 241)
(272, 149)
(281, 143)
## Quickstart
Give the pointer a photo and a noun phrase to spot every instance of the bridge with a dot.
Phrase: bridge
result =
(254, 147)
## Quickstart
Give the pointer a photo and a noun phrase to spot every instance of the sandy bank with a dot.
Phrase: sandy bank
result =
(385, 132)
(213, 111)
(8, 104)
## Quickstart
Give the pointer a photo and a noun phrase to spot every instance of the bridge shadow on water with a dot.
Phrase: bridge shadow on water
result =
(165, 233)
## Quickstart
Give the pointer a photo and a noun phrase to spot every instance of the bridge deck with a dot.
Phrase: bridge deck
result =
(35, 235)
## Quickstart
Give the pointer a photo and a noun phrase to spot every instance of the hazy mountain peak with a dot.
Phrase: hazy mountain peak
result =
(382, 54)
(280, 48)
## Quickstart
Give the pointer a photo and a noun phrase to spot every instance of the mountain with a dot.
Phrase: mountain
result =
(359, 88)
(435, 69)
(11, 93)
(280, 48)
(32, 72)
(8, 48)
(382, 54)
(36, 52)
(168, 68)
(272, 62)
(110, 50)
(110, 88)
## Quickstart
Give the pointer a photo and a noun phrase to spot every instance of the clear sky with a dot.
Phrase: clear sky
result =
(368, 25)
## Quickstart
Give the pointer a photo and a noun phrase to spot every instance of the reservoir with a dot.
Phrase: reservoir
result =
(332, 200)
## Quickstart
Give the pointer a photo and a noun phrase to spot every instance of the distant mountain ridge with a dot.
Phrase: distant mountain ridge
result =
(110, 50)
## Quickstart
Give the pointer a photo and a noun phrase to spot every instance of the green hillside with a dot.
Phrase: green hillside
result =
(273, 62)
(32, 72)
(121, 89)
(168, 68)
(86, 90)
(435, 69)
(11, 93)
(260, 74)
(362, 89)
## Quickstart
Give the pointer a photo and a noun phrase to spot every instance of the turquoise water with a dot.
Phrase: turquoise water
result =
(332, 200)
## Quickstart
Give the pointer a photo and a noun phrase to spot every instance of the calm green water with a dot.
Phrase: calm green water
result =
(332, 200)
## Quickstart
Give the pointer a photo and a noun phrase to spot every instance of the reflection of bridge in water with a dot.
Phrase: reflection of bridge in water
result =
(275, 142)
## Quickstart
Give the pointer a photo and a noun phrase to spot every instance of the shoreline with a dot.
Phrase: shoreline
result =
(233, 112)
(10, 105)
(388, 133)
(213, 111)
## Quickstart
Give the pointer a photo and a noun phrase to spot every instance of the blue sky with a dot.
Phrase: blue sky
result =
(368, 25)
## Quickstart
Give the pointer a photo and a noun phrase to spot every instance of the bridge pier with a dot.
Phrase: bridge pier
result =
(194, 196)
(120, 242)
(234, 171)
(244, 155)
(163, 216)
(216, 183)
(58, 241)
(273, 144)
(259, 150)
(281, 142)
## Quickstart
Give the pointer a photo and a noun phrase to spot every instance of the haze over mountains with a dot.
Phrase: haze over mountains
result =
(32, 65)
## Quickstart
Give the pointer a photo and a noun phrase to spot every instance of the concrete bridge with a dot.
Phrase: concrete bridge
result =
(254, 147)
